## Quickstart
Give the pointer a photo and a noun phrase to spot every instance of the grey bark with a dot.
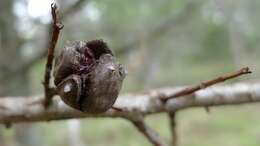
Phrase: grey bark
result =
(9, 60)
(134, 105)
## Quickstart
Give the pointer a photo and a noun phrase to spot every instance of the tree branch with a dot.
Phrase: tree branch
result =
(173, 126)
(20, 109)
(149, 133)
(56, 26)
(203, 85)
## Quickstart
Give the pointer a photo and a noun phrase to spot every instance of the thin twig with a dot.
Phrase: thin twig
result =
(57, 26)
(172, 118)
(203, 85)
(149, 133)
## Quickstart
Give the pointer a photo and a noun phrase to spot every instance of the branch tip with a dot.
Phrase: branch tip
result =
(54, 11)
(246, 70)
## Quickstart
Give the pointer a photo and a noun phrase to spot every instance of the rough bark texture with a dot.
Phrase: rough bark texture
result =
(135, 106)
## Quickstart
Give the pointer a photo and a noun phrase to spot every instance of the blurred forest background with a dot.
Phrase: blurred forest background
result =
(161, 42)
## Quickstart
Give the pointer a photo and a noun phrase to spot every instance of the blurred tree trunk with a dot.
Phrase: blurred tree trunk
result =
(10, 57)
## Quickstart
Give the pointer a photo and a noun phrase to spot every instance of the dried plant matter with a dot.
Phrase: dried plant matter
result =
(87, 76)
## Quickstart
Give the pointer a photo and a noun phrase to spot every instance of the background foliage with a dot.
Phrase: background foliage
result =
(162, 43)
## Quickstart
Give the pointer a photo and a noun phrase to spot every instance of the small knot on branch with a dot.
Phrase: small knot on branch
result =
(245, 70)
(55, 16)
(59, 26)
(203, 85)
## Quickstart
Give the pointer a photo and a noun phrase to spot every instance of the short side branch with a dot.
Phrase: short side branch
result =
(149, 133)
(173, 126)
(203, 85)
(57, 26)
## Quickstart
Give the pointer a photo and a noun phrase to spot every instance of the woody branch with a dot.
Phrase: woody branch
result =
(20, 109)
